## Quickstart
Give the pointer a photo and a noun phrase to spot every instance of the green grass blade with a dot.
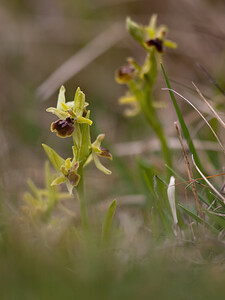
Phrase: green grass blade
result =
(182, 123)
(108, 222)
(191, 214)
(198, 219)
(219, 220)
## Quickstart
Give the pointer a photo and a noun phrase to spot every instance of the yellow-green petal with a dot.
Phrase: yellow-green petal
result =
(152, 23)
(100, 166)
(58, 180)
(84, 120)
(75, 152)
(68, 163)
(59, 113)
(89, 159)
(64, 106)
(170, 44)
(79, 102)
(96, 149)
(127, 99)
(97, 142)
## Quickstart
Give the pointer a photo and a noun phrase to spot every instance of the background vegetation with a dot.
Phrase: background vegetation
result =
(42, 259)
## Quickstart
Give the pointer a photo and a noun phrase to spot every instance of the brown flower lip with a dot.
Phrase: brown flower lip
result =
(73, 176)
(125, 74)
(105, 153)
(63, 128)
(157, 43)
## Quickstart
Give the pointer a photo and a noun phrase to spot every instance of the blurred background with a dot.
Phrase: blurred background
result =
(47, 43)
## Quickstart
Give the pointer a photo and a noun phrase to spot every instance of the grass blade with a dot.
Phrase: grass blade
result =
(108, 222)
(198, 219)
(191, 214)
(181, 120)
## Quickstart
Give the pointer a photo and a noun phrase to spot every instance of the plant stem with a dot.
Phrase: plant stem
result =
(157, 127)
(144, 99)
(81, 199)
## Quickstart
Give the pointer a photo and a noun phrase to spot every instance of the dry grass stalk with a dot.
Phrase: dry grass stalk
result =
(209, 106)
(201, 115)
(189, 171)
(208, 182)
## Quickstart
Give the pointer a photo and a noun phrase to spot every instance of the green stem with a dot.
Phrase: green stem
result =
(152, 119)
(81, 199)
(156, 126)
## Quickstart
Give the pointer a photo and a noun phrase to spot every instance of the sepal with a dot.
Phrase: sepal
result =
(83, 120)
(61, 97)
(170, 44)
(135, 30)
(59, 113)
(58, 180)
(99, 165)
(79, 102)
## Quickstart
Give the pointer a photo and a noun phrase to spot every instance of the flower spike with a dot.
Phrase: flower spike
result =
(74, 120)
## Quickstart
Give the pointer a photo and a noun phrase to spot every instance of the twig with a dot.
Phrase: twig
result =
(197, 179)
(218, 207)
(217, 214)
(211, 204)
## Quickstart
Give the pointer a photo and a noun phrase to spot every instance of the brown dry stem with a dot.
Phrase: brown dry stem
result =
(189, 171)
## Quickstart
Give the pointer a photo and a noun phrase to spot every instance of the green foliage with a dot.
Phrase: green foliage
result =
(214, 219)
(182, 122)
(106, 229)
(54, 250)
(157, 202)
(39, 203)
